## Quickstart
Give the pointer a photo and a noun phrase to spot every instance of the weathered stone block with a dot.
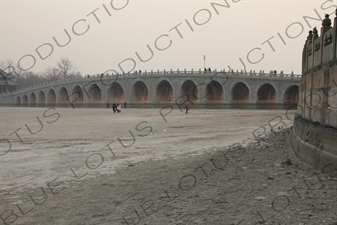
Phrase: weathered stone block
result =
(314, 143)
(318, 80)
(331, 119)
(328, 50)
(318, 115)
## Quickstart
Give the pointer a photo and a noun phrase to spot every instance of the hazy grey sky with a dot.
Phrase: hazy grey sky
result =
(111, 32)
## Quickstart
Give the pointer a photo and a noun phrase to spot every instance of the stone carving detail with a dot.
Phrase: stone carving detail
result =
(328, 39)
(317, 45)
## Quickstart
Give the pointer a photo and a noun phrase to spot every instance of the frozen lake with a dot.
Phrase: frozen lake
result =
(41, 144)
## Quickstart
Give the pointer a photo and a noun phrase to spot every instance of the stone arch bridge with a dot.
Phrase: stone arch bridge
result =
(209, 89)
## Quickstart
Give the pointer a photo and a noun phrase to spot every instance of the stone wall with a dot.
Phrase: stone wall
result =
(314, 134)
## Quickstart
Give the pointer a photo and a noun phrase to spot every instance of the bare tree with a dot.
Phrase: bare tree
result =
(66, 68)
(52, 74)
(11, 68)
(7, 65)
(23, 78)
(30, 78)
(76, 74)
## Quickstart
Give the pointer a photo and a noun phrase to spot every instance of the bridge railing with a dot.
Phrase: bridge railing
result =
(200, 72)
(320, 50)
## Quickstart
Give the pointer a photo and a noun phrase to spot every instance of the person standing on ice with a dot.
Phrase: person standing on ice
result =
(119, 108)
(114, 107)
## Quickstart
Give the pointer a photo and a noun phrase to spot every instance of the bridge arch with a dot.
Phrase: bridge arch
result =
(240, 93)
(95, 95)
(164, 92)
(291, 95)
(140, 93)
(266, 94)
(63, 96)
(189, 92)
(51, 97)
(32, 100)
(18, 101)
(154, 88)
(24, 100)
(41, 99)
(214, 93)
(77, 96)
(116, 93)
